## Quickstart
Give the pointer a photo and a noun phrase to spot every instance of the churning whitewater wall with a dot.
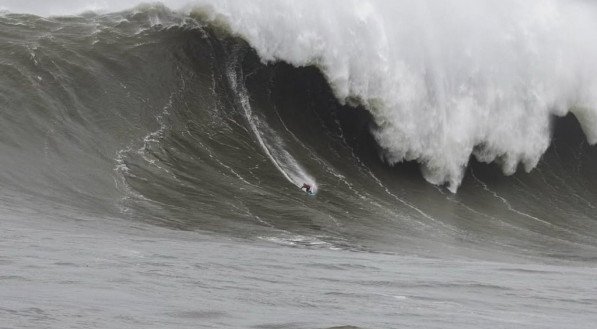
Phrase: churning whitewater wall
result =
(443, 80)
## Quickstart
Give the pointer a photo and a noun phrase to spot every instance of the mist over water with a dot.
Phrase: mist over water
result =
(75, 7)
(151, 158)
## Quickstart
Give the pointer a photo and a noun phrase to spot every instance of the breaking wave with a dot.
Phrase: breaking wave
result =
(211, 118)
(442, 80)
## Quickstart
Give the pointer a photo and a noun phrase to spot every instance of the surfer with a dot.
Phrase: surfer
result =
(307, 187)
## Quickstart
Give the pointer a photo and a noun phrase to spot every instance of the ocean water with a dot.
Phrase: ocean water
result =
(151, 158)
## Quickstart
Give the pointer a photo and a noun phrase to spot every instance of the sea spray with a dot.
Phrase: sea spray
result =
(443, 80)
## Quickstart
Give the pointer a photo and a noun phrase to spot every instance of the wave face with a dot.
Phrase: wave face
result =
(168, 118)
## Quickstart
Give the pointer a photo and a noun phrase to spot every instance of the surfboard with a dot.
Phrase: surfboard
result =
(311, 193)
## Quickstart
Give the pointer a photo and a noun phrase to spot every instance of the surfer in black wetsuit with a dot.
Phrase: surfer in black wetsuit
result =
(307, 187)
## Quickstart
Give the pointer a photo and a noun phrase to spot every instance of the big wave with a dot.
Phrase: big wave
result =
(443, 80)
(152, 115)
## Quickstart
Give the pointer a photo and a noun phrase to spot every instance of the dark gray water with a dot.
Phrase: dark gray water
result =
(98, 274)
(148, 165)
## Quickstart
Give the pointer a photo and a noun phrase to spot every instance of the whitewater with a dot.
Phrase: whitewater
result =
(442, 80)
(152, 154)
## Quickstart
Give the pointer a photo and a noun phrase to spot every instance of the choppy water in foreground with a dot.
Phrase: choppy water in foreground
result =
(149, 166)
(111, 275)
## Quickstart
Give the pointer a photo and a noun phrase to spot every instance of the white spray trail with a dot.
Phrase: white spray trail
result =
(273, 146)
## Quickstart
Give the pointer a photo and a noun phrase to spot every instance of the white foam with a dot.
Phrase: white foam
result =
(443, 79)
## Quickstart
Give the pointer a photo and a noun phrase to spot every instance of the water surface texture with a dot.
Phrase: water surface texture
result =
(151, 158)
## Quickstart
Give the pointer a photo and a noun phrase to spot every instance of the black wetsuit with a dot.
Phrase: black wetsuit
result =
(307, 188)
